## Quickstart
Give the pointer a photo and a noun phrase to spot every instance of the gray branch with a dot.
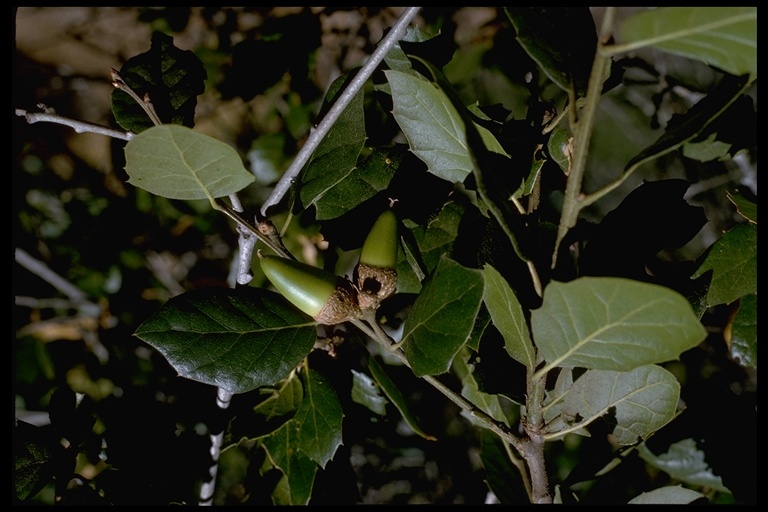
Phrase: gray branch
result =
(318, 133)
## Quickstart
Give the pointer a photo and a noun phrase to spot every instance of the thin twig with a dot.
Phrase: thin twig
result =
(78, 126)
(321, 130)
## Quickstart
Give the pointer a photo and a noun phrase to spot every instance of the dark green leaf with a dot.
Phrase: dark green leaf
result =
(365, 392)
(613, 324)
(32, 458)
(393, 393)
(744, 332)
(684, 462)
(433, 127)
(560, 147)
(724, 37)
(371, 176)
(282, 400)
(172, 78)
(433, 241)
(318, 420)
(502, 477)
(682, 128)
(237, 340)
(295, 487)
(508, 317)
(335, 159)
(733, 262)
(746, 208)
(562, 41)
(488, 403)
(638, 402)
(178, 163)
(442, 317)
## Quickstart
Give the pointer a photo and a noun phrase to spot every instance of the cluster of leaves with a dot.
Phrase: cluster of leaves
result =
(479, 191)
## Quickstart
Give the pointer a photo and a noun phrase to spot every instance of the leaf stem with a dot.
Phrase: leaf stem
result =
(582, 132)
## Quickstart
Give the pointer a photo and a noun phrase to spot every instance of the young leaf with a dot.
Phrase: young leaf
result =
(295, 487)
(237, 340)
(172, 78)
(318, 420)
(393, 393)
(442, 317)
(685, 463)
(733, 261)
(508, 317)
(638, 402)
(433, 127)
(178, 163)
(366, 393)
(612, 324)
(724, 37)
(335, 158)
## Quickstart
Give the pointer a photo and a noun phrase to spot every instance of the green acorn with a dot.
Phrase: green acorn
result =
(326, 298)
(375, 273)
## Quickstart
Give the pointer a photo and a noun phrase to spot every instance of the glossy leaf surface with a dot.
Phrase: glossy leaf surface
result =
(236, 340)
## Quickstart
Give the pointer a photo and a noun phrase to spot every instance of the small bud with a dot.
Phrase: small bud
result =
(326, 298)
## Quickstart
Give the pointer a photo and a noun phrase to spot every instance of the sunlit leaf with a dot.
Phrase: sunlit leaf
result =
(670, 495)
(724, 37)
(318, 419)
(743, 332)
(432, 126)
(365, 392)
(236, 340)
(684, 462)
(508, 317)
(171, 78)
(396, 396)
(637, 403)
(442, 317)
(613, 324)
(178, 163)
(335, 159)
(733, 262)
